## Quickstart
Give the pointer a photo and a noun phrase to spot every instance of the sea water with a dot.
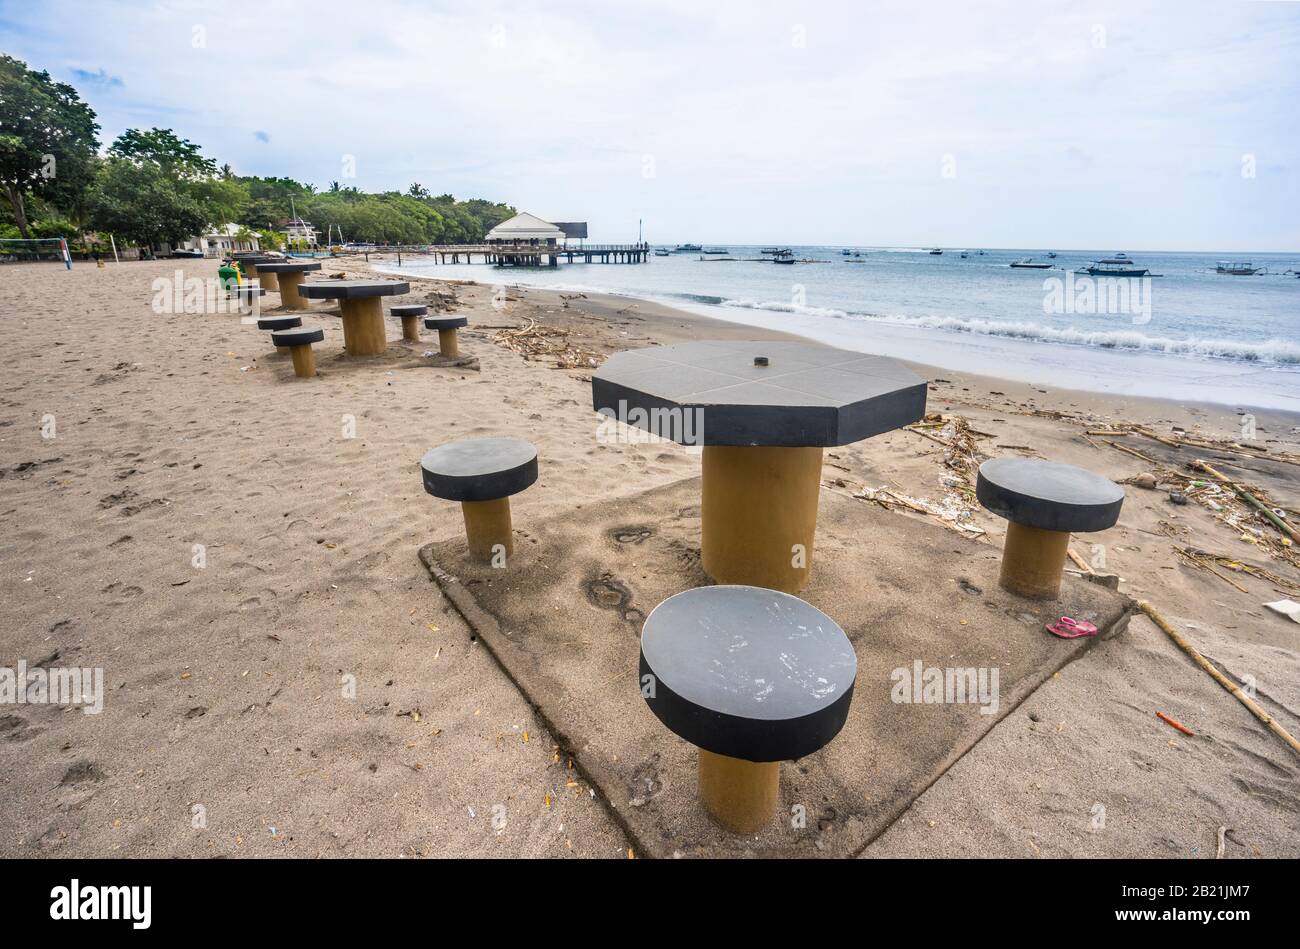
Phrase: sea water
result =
(1188, 333)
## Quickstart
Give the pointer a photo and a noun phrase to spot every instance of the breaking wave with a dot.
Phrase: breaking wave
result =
(1277, 351)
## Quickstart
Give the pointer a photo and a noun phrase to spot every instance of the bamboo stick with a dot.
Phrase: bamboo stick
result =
(1249, 498)
(1218, 676)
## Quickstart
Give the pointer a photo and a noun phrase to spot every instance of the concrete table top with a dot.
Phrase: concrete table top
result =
(791, 394)
(1048, 495)
(353, 289)
(445, 322)
(293, 266)
(298, 337)
(278, 322)
(249, 290)
(479, 469)
(409, 310)
(747, 672)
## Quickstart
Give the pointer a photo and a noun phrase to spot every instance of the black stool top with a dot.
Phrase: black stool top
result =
(479, 469)
(279, 322)
(445, 322)
(791, 394)
(1048, 495)
(747, 672)
(298, 337)
(289, 266)
(249, 290)
(411, 310)
(352, 289)
(257, 261)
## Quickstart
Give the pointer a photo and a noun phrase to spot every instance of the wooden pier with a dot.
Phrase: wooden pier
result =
(539, 255)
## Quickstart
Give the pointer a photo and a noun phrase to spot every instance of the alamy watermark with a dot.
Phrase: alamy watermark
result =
(629, 425)
(1099, 296)
(934, 685)
(73, 687)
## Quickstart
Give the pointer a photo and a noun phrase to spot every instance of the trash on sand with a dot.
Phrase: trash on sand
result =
(1174, 723)
(1287, 608)
(1067, 628)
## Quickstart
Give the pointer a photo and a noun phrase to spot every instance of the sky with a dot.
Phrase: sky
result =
(1135, 126)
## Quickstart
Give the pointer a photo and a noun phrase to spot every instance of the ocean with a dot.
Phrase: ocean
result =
(1187, 333)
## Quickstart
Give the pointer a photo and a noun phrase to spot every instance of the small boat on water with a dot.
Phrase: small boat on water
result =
(1028, 263)
(770, 250)
(715, 250)
(846, 252)
(1237, 268)
(783, 257)
(663, 252)
(688, 249)
(936, 251)
(964, 255)
(1121, 265)
(1051, 255)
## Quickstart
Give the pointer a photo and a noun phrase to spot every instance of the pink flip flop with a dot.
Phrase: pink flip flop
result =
(1067, 628)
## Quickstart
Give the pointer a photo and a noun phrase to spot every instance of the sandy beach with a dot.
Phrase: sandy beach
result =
(226, 727)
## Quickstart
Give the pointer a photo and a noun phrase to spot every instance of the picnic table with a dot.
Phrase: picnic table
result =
(289, 275)
(362, 308)
(763, 411)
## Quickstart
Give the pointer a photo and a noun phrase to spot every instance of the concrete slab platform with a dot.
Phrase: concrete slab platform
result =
(564, 620)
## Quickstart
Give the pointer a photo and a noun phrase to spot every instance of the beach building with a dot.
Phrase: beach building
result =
(298, 231)
(216, 241)
(525, 228)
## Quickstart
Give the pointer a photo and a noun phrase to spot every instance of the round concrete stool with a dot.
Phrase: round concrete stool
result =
(410, 317)
(289, 276)
(1045, 502)
(278, 323)
(446, 327)
(752, 677)
(482, 473)
(298, 341)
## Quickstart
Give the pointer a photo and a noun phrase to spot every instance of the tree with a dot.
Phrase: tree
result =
(47, 139)
(143, 204)
(164, 148)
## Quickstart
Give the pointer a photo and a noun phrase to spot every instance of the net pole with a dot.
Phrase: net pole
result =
(67, 258)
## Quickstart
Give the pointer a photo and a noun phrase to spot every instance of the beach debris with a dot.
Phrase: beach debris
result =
(1154, 615)
(1174, 723)
(534, 340)
(1069, 628)
(1144, 480)
(1287, 608)
(1177, 497)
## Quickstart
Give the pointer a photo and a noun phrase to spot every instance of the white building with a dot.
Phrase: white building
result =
(525, 229)
(217, 241)
(299, 231)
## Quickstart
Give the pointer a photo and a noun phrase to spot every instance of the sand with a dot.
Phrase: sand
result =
(229, 727)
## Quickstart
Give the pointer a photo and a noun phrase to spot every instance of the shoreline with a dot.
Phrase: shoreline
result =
(1117, 367)
(1224, 417)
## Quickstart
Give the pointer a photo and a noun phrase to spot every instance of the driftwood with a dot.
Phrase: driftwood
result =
(1218, 676)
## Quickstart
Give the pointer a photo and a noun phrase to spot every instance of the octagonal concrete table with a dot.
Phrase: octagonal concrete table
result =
(363, 311)
(763, 412)
(251, 265)
(289, 275)
(752, 677)
(482, 474)
(1045, 502)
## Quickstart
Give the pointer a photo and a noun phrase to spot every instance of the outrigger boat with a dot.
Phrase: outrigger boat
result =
(688, 249)
(783, 257)
(715, 250)
(1121, 265)
(1239, 268)
(1028, 263)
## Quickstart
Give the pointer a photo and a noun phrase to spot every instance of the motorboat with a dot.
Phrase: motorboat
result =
(688, 249)
(1028, 263)
(1237, 268)
(1120, 265)
(936, 251)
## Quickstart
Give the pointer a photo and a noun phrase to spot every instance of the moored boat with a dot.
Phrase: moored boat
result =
(1237, 268)
(1121, 265)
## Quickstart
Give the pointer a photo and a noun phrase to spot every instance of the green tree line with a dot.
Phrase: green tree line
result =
(152, 186)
